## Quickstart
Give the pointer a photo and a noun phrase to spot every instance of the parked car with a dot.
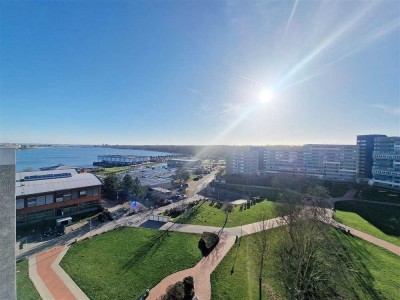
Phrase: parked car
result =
(102, 217)
(47, 231)
(60, 230)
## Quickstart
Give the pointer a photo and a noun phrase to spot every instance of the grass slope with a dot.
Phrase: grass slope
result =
(25, 288)
(378, 194)
(122, 263)
(204, 214)
(354, 220)
(377, 276)
(267, 192)
(379, 220)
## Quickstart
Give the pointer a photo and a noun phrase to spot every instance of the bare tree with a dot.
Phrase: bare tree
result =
(261, 228)
(308, 259)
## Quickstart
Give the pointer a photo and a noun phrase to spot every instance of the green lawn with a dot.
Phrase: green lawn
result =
(205, 214)
(113, 170)
(379, 220)
(377, 273)
(378, 194)
(25, 288)
(121, 264)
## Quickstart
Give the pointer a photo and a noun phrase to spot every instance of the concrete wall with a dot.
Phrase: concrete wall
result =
(7, 224)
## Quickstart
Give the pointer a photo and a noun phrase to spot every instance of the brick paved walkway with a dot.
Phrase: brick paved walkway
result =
(201, 272)
(50, 279)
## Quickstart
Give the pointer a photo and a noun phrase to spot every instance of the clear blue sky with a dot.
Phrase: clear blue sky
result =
(191, 72)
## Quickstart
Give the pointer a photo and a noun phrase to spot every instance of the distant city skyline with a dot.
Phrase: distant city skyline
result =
(198, 73)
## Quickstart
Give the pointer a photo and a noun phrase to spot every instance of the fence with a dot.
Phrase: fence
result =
(158, 218)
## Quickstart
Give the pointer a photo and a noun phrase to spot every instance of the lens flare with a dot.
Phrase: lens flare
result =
(266, 95)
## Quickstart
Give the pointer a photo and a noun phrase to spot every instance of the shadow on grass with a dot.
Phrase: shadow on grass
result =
(355, 258)
(145, 249)
(190, 214)
(238, 243)
(155, 242)
(385, 218)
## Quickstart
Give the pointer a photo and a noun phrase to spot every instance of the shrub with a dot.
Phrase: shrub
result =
(218, 205)
(181, 290)
(207, 242)
(228, 207)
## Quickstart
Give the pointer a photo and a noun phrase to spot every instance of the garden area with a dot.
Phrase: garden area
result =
(216, 213)
(25, 288)
(374, 272)
(379, 220)
(123, 263)
(377, 194)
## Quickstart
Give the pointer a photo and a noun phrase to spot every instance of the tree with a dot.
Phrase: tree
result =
(261, 243)
(309, 260)
(182, 175)
(127, 187)
(181, 290)
(112, 185)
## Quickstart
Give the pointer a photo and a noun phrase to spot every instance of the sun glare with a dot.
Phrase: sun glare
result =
(266, 95)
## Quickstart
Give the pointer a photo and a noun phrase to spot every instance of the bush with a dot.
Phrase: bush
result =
(228, 207)
(218, 205)
(207, 242)
(181, 290)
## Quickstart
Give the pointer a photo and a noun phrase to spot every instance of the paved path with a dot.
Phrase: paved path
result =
(50, 279)
(367, 237)
(201, 272)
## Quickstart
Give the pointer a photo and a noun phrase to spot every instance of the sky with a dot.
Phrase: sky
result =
(198, 72)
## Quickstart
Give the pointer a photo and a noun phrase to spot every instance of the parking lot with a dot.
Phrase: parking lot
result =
(153, 175)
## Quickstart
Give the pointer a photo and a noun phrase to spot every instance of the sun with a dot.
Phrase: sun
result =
(266, 95)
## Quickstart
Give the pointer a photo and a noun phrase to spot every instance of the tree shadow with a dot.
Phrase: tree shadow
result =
(145, 249)
(354, 259)
(236, 255)
(386, 219)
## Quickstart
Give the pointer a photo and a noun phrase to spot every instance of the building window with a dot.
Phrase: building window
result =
(89, 192)
(82, 193)
(95, 191)
(39, 216)
(74, 195)
(69, 209)
(89, 204)
(20, 203)
(59, 197)
(31, 202)
(49, 198)
(20, 219)
(67, 196)
(40, 200)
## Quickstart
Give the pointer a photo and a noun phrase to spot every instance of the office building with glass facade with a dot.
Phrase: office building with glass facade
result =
(365, 147)
(386, 162)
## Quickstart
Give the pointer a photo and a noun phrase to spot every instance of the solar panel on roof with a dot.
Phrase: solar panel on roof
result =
(47, 176)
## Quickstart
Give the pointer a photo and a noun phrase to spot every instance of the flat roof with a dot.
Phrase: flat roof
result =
(122, 156)
(161, 190)
(184, 160)
(41, 186)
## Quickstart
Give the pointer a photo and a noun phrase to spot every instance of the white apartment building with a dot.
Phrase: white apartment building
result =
(328, 162)
(242, 162)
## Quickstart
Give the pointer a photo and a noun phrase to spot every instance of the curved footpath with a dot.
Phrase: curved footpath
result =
(201, 273)
(52, 282)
